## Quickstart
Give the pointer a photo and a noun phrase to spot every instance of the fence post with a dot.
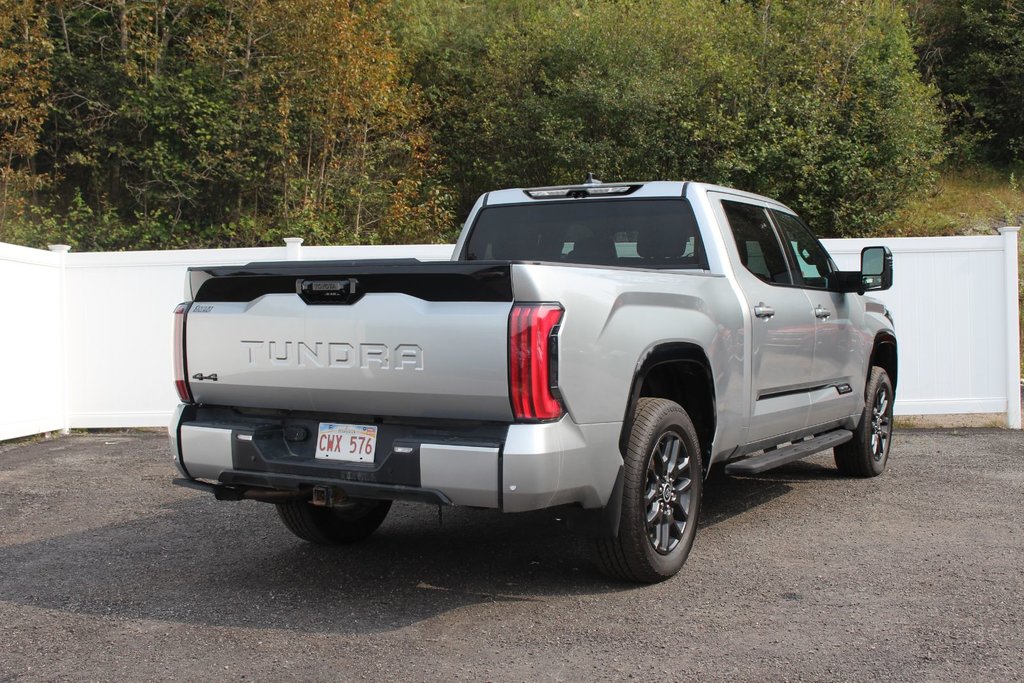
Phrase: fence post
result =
(293, 248)
(62, 278)
(1010, 254)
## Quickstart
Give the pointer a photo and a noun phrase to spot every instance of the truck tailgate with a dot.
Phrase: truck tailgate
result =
(400, 339)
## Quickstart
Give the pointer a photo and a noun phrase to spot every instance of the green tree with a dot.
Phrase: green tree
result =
(816, 104)
(222, 122)
(845, 129)
(974, 52)
(357, 151)
(24, 83)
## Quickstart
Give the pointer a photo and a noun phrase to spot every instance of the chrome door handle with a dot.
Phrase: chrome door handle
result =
(762, 311)
(822, 313)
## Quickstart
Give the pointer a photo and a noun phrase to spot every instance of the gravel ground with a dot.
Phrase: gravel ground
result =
(107, 571)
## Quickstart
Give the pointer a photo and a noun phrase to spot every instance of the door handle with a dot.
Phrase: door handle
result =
(821, 313)
(762, 311)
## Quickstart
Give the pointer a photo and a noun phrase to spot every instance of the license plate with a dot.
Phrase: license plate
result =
(350, 443)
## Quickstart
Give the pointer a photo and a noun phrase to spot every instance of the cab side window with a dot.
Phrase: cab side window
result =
(813, 261)
(759, 248)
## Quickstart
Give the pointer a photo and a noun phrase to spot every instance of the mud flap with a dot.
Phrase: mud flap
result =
(599, 522)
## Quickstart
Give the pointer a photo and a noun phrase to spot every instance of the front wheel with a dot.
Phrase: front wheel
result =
(333, 525)
(661, 495)
(868, 452)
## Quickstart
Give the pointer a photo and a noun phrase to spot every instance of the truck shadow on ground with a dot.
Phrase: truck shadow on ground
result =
(726, 496)
(233, 564)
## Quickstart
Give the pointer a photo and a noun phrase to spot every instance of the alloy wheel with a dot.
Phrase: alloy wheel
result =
(667, 496)
(881, 425)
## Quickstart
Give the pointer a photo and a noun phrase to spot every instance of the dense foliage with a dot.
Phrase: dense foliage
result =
(180, 122)
(162, 123)
(974, 52)
(24, 83)
(816, 103)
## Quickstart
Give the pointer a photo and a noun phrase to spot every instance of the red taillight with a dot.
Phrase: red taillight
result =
(180, 371)
(532, 344)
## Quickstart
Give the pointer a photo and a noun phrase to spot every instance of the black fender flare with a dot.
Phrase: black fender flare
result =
(882, 339)
(652, 357)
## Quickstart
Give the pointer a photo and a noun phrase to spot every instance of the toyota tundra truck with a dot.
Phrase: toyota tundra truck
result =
(597, 347)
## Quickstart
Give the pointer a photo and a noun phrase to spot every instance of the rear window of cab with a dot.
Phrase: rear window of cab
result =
(630, 233)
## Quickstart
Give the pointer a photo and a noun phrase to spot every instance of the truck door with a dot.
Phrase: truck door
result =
(838, 349)
(782, 324)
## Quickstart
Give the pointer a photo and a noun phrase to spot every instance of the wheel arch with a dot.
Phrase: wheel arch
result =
(680, 372)
(884, 355)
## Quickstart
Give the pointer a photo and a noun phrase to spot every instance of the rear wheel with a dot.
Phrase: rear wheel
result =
(351, 522)
(661, 495)
(868, 452)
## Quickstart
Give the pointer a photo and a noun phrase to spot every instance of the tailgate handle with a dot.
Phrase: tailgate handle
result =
(329, 292)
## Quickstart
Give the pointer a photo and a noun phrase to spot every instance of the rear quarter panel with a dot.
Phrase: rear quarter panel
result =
(614, 316)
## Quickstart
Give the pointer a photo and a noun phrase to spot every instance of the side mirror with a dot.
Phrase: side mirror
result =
(875, 268)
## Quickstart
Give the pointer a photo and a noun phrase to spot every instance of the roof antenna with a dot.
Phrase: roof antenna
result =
(591, 180)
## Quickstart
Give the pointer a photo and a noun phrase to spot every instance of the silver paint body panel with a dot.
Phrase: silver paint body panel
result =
(559, 463)
(468, 475)
(387, 354)
(206, 451)
(613, 317)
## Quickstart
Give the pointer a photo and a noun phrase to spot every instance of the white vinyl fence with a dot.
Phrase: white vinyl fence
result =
(33, 396)
(86, 338)
(955, 305)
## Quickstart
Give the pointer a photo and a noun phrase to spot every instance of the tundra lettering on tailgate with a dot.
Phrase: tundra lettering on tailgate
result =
(333, 355)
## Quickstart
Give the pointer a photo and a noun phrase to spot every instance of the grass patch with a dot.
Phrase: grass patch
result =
(972, 200)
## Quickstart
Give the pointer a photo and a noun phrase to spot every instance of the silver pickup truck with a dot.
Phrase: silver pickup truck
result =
(597, 346)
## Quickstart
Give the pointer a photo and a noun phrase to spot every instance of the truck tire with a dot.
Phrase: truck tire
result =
(333, 526)
(661, 495)
(867, 453)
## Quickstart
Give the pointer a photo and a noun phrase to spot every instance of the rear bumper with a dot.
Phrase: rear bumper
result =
(513, 468)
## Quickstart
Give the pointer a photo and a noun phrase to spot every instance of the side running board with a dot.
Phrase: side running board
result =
(786, 454)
